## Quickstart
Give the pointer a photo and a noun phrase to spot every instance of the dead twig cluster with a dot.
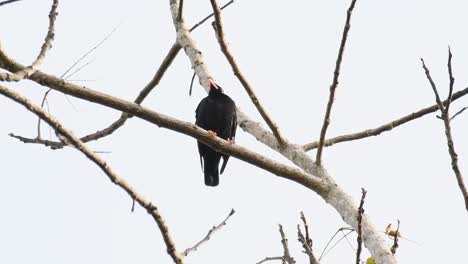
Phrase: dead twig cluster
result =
(306, 241)
(303, 238)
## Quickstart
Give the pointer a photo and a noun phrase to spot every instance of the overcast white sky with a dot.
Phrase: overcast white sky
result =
(58, 207)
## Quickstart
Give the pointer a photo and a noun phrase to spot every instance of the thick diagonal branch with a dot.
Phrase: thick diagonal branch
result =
(142, 201)
(240, 76)
(336, 75)
(28, 71)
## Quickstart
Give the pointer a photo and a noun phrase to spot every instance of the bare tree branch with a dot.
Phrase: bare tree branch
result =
(386, 127)
(181, 8)
(306, 241)
(209, 16)
(286, 253)
(458, 113)
(270, 259)
(208, 236)
(451, 79)
(28, 71)
(240, 76)
(8, 2)
(448, 130)
(359, 232)
(143, 202)
(434, 88)
(331, 98)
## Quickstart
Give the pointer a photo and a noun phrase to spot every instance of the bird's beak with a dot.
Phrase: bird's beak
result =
(213, 84)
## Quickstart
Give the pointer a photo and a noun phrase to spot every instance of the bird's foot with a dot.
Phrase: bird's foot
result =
(231, 141)
(212, 133)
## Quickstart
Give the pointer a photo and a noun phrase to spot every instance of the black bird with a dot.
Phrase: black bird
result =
(217, 114)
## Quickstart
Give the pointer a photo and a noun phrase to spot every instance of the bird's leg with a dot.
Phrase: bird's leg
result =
(231, 141)
(212, 133)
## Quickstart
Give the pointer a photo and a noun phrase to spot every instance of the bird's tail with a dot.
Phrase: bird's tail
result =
(211, 175)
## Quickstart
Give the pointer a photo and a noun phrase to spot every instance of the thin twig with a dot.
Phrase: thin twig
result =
(324, 252)
(44, 99)
(77, 70)
(191, 83)
(306, 241)
(395, 239)
(208, 236)
(331, 98)
(71, 67)
(90, 50)
(451, 80)
(386, 127)
(60, 129)
(359, 232)
(49, 38)
(459, 112)
(209, 16)
(448, 130)
(286, 253)
(8, 2)
(434, 88)
(270, 259)
(240, 76)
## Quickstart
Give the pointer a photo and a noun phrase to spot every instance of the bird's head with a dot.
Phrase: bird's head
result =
(214, 88)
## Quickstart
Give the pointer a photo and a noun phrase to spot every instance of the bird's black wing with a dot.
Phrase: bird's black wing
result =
(199, 121)
(232, 135)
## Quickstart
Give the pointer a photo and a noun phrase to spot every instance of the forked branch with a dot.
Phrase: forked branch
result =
(445, 116)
